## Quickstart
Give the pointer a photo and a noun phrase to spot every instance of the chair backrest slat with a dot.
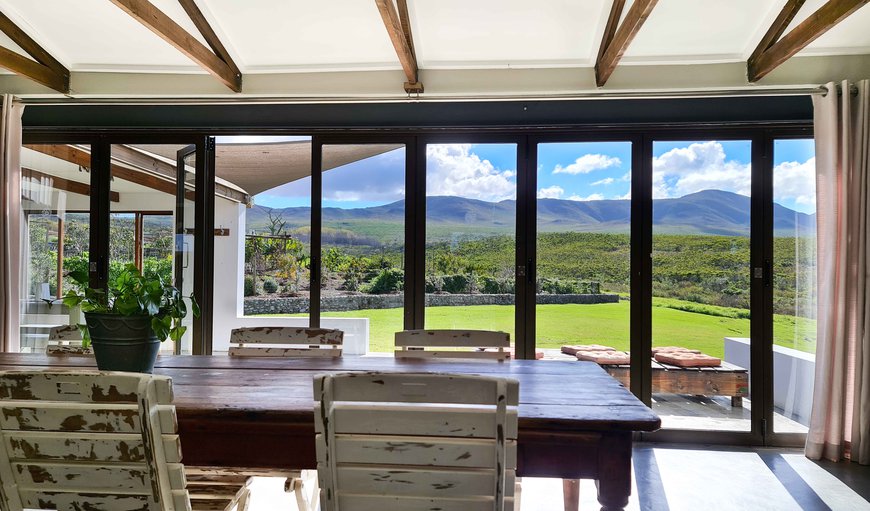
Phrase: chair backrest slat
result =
(286, 342)
(66, 340)
(65, 333)
(411, 441)
(486, 344)
(104, 440)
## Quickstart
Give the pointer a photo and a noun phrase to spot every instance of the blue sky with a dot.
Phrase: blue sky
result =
(573, 171)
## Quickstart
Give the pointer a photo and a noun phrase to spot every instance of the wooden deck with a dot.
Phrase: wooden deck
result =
(725, 380)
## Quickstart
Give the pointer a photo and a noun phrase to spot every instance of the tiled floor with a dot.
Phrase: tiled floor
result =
(693, 478)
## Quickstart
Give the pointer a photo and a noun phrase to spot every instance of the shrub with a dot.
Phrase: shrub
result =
(557, 287)
(434, 283)
(154, 267)
(250, 288)
(497, 286)
(351, 280)
(270, 286)
(457, 284)
(567, 287)
(390, 280)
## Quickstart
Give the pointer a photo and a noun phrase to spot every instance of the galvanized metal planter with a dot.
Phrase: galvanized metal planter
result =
(123, 343)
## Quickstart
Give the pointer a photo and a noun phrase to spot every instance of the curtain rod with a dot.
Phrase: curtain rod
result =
(853, 90)
(434, 98)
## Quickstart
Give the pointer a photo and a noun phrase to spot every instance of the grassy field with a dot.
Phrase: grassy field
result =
(606, 324)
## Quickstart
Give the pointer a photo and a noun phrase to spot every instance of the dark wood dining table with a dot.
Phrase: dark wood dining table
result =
(575, 421)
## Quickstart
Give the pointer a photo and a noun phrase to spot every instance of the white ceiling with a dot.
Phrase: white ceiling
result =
(340, 47)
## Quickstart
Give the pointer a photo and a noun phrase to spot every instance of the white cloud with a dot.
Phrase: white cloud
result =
(605, 181)
(551, 192)
(594, 196)
(588, 163)
(452, 169)
(795, 181)
(700, 166)
(380, 178)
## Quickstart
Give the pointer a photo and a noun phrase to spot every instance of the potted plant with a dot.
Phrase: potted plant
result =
(127, 321)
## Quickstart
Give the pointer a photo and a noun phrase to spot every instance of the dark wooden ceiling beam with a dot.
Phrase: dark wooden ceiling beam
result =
(777, 28)
(43, 69)
(610, 29)
(155, 20)
(210, 36)
(399, 29)
(773, 50)
(619, 39)
(62, 183)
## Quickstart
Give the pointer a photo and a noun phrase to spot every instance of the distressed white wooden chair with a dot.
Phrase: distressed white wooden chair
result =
(431, 344)
(66, 340)
(414, 441)
(86, 440)
(286, 342)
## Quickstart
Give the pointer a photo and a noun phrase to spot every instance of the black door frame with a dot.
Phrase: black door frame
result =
(642, 138)
(100, 208)
(413, 288)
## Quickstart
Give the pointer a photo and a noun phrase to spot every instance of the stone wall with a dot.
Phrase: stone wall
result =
(294, 305)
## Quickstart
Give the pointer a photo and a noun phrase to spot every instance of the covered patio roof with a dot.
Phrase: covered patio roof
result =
(348, 50)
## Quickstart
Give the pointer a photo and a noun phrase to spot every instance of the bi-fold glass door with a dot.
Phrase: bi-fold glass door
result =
(358, 239)
(98, 206)
(648, 258)
(687, 259)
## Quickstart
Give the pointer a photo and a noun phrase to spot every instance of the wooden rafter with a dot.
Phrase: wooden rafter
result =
(82, 157)
(210, 36)
(399, 29)
(154, 173)
(43, 69)
(218, 63)
(610, 29)
(774, 48)
(148, 162)
(619, 38)
(61, 183)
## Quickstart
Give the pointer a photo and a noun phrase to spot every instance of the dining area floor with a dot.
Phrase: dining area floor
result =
(670, 477)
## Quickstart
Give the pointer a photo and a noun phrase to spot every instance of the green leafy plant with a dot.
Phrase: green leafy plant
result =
(269, 285)
(130, 293)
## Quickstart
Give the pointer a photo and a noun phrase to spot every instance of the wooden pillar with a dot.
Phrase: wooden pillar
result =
(60, 236)
(138, 239)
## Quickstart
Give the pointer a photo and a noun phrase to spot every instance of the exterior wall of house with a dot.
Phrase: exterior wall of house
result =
(229, 274)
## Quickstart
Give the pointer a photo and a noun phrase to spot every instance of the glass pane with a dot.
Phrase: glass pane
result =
(794, 283)
(55, 236)
(584, 252)
(363, 244)
(470, 236)
(262, 250)
(701, 271)
(142, 220)
(185, 242)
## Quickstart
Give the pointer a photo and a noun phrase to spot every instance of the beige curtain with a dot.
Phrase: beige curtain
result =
(10, 238)
(840, 420)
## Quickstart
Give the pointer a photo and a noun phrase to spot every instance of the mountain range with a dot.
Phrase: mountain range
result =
(709, 212)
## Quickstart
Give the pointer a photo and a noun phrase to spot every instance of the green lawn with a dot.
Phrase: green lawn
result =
(606, 324)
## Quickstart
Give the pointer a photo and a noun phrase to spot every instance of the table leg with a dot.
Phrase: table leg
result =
(614, 471)
(571, 494)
